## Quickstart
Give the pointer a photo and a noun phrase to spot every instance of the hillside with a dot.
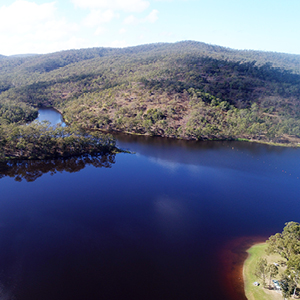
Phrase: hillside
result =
(187, 90)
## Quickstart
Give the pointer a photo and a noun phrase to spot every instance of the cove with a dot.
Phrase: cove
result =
(51, 115)
(149, 225)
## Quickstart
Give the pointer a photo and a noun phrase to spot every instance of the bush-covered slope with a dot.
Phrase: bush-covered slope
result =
(185, 90)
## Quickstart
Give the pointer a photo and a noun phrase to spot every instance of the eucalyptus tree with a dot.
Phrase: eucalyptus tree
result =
(272, 271)
(287, 243)
(287, 286)
(293, 271)
(261, 270)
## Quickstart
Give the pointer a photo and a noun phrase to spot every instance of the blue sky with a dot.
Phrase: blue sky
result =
(42, 26)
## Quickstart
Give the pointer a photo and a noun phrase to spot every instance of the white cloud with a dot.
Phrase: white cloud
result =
(123, 5)
(117, 44)
(167, 34)
(22, 15)
(100, 30)
(97, 17)
(151, 18)
(29, 26)
(26, 27)
(130, 20)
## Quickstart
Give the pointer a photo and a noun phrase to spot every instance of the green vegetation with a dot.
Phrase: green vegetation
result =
(13, 112)
(186, 90)
(287, 245)
(278, 258)
(40, 141)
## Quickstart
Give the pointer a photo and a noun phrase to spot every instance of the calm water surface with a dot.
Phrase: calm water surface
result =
(148, 225)
(51, 115)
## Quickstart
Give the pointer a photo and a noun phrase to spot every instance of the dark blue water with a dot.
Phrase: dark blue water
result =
(148, 225)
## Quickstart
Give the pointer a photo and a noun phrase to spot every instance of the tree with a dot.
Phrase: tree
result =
(272, 270)
(293, 270)
(286, 243)
(261, 270)
(287, 286)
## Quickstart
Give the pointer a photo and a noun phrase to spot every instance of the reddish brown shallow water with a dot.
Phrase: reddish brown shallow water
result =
(232, 257)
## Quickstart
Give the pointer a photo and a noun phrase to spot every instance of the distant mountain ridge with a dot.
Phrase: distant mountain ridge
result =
(186, 90)
(282, 60)
(23, 55)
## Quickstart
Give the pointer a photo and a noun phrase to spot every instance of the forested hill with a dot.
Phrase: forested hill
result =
(186, 90)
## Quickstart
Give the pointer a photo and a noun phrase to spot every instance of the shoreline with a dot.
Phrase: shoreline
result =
(248, 283)
(261, 292)
(232, 258)
(290, 144)
(116, 131)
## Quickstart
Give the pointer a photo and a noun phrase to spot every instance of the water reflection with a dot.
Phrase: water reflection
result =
(51, 115)
(255, 158)
(157, 147)
(30, 170)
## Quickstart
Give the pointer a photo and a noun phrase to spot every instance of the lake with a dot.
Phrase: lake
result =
(148, 225)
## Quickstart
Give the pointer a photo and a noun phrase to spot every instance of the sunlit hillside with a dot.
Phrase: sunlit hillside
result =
(187, 90)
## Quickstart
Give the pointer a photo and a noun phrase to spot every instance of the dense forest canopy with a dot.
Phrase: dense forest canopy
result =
(187, 90)
(287, 245)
